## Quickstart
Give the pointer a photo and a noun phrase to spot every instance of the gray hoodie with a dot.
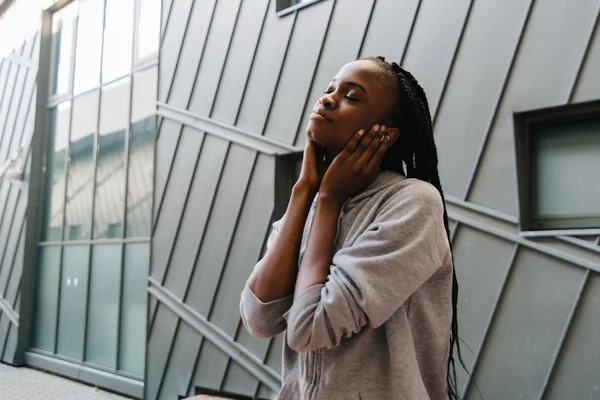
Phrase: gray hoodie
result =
(380, 327)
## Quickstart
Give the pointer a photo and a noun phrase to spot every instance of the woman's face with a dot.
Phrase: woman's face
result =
(356, 98)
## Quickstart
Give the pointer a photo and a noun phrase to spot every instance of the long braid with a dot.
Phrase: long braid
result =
(417, 150)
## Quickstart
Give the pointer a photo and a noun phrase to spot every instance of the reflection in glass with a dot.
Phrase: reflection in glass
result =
(103, 309)
(80, 184)
(118, 39)
(89, 44)
(133, 308)
(148, 28)
(73, 300)
(63, 29)
(46, 298)
(55, 172)
(141, 154)
(110, 175)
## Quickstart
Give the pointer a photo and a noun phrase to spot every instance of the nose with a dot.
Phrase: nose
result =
(328, 101)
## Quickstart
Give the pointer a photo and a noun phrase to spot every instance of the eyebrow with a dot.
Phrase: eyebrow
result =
(354, 84)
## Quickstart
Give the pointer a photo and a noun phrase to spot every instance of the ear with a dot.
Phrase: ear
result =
(393, 133)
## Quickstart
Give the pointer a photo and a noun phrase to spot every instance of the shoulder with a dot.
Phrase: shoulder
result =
(413, 194)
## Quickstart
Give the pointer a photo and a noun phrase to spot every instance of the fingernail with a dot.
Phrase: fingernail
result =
(361, 132)
(375, 128)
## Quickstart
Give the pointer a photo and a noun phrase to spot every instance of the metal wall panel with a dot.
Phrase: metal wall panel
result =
(215, 53)
(298, 71)
(474, 86)
(542, 76)
(435, 37)
(527, 327)
(239, 65)
(192, 52)
(576, 374)
(17, 90)
(240, 57)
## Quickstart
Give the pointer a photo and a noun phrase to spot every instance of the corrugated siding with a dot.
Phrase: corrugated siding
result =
(17, 109)
(527, 306)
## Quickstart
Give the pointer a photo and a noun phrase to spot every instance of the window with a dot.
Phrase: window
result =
(286, 6)
(558, 158)
(98, 181)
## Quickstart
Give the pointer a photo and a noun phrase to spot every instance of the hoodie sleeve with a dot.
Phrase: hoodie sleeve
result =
(264, 319)
(370, 280)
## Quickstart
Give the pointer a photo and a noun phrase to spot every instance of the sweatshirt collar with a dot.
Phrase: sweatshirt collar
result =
(384, 180)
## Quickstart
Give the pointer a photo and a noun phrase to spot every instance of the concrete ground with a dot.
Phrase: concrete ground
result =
(30, 384)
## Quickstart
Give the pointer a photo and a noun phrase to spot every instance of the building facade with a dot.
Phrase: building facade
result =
(147, 147)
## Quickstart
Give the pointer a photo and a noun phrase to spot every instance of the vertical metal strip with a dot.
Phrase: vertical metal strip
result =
(488, 327)
(494, 117)
(315, 69)
(410, 33)
(279, 73)
(584, 58)
(569, 322)
(178, 324)
(75, 22)
(94, 174)
(159, 126)
(237, 114)
(366, 30)
(35, 194)
(235, 22)
(260, 33)
(127, 157)
(452, 63)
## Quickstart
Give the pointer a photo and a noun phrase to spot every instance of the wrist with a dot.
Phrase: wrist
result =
(331, 199)
(304, 189)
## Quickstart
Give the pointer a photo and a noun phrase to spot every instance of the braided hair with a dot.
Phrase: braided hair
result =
(416, 151)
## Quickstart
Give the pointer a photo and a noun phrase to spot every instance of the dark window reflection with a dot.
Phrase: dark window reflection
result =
(55, 173)
(80, 184)
(141, 156)
(110, 174)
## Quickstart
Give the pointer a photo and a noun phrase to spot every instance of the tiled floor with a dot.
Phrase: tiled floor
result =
(30, 384)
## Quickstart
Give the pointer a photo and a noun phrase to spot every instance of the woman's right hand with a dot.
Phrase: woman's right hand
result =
(314, 166)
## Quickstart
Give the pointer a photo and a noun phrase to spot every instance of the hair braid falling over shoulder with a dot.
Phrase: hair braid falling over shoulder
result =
(417, 151)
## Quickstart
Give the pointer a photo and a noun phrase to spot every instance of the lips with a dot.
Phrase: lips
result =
(322, 114)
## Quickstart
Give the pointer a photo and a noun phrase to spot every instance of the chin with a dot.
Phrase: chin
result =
(312, 132)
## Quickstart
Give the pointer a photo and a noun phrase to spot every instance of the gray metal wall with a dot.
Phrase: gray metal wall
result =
(528, 307)
(236, 84)
(18, 72)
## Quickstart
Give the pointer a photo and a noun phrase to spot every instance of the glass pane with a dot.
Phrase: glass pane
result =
(103, 310)
(89, 44)
(133, 308)
(141, 154)
(73, 300)
(562, 153)
(148, 28)
(58, 135)
(63, 34)
(80, 184)
(46, 298)
(118, 39)
(110, 175)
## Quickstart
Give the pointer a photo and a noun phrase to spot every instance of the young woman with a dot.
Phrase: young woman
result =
(361, 275)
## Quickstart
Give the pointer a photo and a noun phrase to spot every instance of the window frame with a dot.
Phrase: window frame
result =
(526, 124)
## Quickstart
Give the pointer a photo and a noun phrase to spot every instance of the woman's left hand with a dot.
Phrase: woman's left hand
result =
(357, 166)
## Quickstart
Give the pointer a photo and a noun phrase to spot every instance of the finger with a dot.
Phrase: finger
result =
(364, 144)
(373, 145)
(383, 145)
(353, 142)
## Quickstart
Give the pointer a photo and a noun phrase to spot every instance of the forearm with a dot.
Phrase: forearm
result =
(275, 275)
(318, 255)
